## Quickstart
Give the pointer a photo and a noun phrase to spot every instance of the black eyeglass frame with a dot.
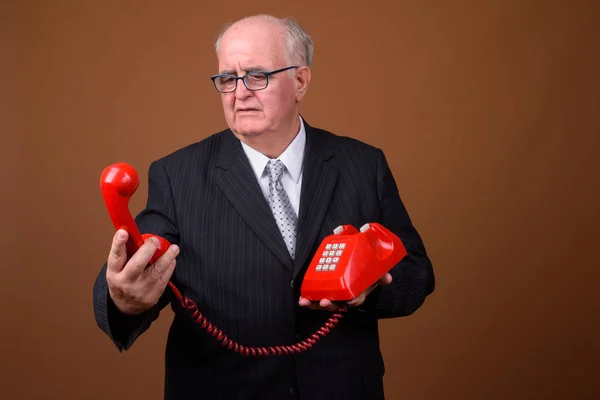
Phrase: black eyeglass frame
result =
(267, 74)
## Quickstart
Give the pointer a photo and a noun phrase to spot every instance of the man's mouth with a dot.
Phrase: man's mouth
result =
(247, 109)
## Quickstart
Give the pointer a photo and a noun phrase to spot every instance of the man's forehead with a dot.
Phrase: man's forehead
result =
(247, 59)
(247, 53)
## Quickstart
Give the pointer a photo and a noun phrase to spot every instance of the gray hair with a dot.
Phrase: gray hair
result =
(299, 45)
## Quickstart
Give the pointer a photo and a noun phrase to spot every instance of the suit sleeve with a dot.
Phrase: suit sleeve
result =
(412, 278)
(158, 217)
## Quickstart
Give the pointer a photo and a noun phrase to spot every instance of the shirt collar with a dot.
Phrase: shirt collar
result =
(292, 156)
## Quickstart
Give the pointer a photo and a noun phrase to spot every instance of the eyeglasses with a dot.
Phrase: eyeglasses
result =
(227, 83)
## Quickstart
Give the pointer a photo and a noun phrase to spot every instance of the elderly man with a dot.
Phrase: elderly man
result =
(242, 262)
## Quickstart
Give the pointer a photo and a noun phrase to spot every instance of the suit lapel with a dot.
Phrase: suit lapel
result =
(238, 183)
(317, 187)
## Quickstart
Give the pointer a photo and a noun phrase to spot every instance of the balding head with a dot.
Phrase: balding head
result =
(298, 45)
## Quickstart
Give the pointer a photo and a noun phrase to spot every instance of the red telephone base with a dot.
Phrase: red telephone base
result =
(348, 262)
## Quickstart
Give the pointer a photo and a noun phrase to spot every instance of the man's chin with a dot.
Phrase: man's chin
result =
(248, 130)
(247, 134)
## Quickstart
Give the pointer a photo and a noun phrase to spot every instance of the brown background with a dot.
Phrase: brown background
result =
(487, 111)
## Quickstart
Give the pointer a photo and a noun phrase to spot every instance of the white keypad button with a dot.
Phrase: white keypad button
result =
(328, 260)
(328, 246)
(335, 259)
(335, 246)
(325, 253)
(332, 267)
(319, 267)
(337, 253)
(332, 252)
(325, 267)
(342, 246)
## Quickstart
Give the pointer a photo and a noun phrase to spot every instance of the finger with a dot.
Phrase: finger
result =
(163, 264)
(386, 279)
(168, 273)
(139, 261)
(159, 286)
(328, 305)
(304, 302)
(117, 257)
(357, 301)
(313, 305)
(324, 304)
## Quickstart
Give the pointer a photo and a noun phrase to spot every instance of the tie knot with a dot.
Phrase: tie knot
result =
(275, 169)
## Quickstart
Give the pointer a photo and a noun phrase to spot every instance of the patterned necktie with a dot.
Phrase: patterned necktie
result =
(280, 205)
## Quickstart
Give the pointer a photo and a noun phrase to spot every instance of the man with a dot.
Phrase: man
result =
(242, 263)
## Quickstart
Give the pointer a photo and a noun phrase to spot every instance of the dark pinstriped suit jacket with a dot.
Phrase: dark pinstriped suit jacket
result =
(234, 264)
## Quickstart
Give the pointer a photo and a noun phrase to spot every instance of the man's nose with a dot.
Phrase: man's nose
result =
(241, 91)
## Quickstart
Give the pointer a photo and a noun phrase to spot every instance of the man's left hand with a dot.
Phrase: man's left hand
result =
(328, 305)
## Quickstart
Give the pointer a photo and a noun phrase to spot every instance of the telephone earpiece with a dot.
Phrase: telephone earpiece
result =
(118, 184)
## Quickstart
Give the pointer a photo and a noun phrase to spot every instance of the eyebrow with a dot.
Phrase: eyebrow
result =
(257, 68)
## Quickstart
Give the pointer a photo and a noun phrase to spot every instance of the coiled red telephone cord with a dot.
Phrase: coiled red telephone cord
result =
(231, 344)
(118, 183)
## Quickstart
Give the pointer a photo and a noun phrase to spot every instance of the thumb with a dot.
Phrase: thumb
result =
(386, 279)
(117, 257)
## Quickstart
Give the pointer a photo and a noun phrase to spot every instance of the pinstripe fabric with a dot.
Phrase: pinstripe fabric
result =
(235, 265)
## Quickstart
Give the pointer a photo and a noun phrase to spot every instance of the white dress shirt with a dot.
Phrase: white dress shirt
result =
(291, 158)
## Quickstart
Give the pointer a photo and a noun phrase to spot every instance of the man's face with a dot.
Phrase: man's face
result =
(257, 47)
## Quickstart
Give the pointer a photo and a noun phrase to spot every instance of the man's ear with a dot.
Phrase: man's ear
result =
(301, 82)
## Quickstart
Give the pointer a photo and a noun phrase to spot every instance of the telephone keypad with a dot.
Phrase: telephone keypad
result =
(331, 256)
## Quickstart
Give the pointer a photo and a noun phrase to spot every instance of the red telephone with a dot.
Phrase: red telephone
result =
(354, 261)
(349, 261)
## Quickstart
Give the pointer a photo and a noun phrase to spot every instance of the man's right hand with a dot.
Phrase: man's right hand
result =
(133, 287)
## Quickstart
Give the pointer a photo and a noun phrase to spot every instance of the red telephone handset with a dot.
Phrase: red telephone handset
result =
(349, 261)
(364, 258)
(118, 183)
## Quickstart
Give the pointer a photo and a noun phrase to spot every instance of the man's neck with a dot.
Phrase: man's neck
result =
(272, 144)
